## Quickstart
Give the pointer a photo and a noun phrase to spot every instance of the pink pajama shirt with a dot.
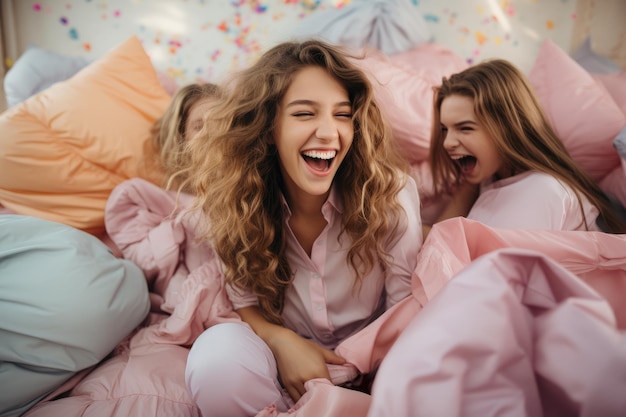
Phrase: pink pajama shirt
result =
(231, 372)
(532, 201)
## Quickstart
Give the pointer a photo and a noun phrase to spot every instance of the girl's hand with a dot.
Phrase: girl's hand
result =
(300, 360)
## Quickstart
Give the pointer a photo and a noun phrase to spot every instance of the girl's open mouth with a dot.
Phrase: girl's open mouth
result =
(467, 163)
(319, 160)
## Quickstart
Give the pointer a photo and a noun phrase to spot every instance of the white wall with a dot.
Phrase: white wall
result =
(202, 40)
(206, 38)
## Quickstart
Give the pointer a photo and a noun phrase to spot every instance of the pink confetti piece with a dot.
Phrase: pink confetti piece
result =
(37, 7)
(216, 54)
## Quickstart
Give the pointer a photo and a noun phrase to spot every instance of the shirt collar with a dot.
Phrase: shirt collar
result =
(334, 202)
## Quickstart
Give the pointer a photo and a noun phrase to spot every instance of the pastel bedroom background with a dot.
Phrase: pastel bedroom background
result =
(204, 40)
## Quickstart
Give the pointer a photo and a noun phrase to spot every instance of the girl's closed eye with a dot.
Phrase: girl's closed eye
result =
(302, 114)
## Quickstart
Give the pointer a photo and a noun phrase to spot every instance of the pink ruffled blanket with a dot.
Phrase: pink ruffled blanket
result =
(145, 376)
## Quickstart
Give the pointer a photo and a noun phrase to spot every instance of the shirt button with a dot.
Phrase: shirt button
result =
(320, 243)
(316, 276)
(327, 336)
(320, 307)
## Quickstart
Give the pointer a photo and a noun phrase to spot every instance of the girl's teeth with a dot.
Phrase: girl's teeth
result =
(320, 155)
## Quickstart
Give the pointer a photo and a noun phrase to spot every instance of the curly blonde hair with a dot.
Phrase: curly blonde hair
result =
(506, 106)
(168, 132)
(236, 177)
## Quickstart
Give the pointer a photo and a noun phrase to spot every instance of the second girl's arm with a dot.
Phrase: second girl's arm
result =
(460, 204)
(298, 359)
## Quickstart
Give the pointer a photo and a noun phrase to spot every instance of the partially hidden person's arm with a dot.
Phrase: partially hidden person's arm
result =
(298, 359)
(460, 204)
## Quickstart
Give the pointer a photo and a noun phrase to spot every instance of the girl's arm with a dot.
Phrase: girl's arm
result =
(298, 359)
(460, 204)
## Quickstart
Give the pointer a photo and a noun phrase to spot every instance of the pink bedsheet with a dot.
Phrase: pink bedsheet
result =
(145, 376)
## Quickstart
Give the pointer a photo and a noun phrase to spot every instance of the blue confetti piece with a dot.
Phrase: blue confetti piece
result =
(431, 18)
(73, 34)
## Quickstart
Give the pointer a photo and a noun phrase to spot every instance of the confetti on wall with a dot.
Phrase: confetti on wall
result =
(202, 40)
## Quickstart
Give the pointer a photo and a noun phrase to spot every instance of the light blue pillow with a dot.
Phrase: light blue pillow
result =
(391, 26)
(592, 62)
(65, 303)
(620, 143)
(37, 69)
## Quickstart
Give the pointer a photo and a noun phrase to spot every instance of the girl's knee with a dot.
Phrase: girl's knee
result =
(224, 362)
(217, 352)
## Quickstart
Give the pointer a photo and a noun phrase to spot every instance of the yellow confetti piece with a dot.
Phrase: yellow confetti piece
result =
(480, 38)
(497, 41)
(175, 72)
(549, 24)
(8, 62)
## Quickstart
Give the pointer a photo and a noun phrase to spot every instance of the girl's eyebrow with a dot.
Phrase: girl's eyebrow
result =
(462, 123)
(311, 103)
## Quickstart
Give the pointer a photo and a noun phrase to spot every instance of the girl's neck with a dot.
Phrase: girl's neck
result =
(306, 205)
(505, 172)
(307, 221)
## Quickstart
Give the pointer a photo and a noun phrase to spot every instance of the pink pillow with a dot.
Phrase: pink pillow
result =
(581, 111)
(615, 84)
(403, 86)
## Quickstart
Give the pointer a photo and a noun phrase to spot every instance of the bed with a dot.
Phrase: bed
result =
(61, 159)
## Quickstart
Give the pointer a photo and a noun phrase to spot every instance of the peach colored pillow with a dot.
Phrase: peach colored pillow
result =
(581, 111)
(64, 149)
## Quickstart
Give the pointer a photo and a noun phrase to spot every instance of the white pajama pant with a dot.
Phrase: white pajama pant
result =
(65, 303)
(231, 372)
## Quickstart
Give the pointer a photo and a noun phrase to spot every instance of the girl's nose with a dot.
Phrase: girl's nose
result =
(327, 129)
(450, 141)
